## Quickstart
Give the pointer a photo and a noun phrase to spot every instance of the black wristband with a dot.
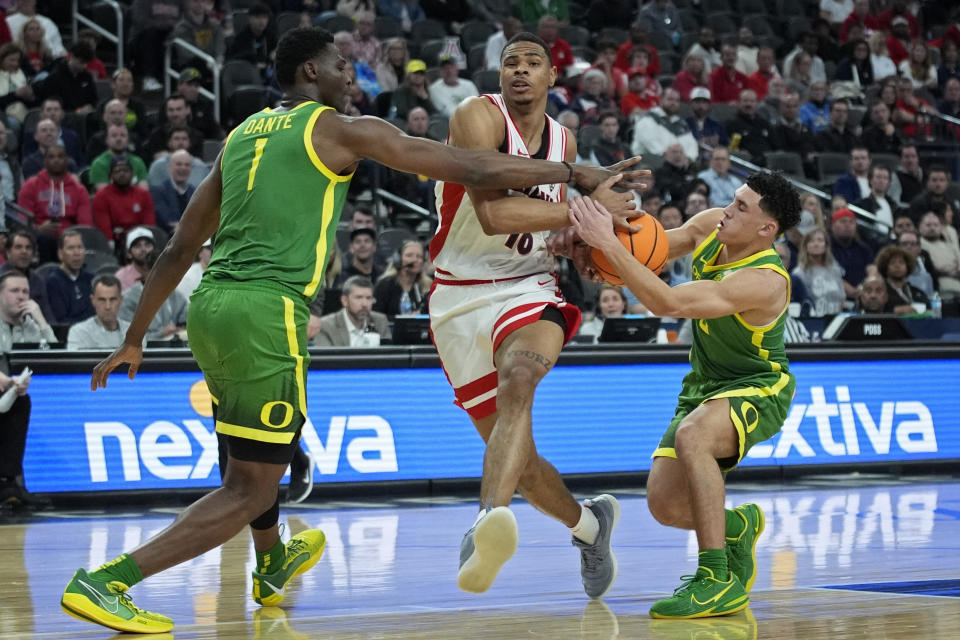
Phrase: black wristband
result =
(568, 166)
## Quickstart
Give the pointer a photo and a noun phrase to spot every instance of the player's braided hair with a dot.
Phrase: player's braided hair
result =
(778, 198)
(296, 47)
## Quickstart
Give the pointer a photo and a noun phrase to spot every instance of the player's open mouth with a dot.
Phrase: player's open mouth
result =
(519, 85)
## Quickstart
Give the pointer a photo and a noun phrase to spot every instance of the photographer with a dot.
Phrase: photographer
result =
(22, 322)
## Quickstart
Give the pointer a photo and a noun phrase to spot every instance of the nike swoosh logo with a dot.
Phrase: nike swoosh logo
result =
(714, 598)
(110, 604)
(545, 282)
(280, 591)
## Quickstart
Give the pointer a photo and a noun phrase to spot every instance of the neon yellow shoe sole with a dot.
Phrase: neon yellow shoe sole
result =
(107, 604)
(302, 552)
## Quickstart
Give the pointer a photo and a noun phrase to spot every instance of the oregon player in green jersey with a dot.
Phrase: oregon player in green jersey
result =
(274, 198)
(740, 387)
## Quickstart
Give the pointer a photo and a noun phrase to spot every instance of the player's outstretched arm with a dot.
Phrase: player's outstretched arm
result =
(200, 220)
(741, 292)
(369, 137)
(686, 238)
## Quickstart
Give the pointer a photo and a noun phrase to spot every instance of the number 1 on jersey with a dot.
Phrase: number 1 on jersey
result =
(258, 146)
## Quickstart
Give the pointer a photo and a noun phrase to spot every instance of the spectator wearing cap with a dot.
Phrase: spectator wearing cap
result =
(363, 248)
(852, 254)
(257, 41)
(120, 206)
(643, 93)
(170, 197)
(200, 30)
(114, 112)
(140, 244)
(201, 107)
(171, 318)
(104, 330)
(366, 78)
(26, 10)
(766, 71)
(69, 287)
(175, 113)
(56, 199)
(449, 90)
(118, 144)
(592, 100)
(723, 185)
(548, 28)
(726, 82)
(414, 91)
(71, 82)
(705, 129)
(661, 127)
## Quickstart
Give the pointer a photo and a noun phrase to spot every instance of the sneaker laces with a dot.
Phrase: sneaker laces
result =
(590, 554)
(120, 590)
(688, 581)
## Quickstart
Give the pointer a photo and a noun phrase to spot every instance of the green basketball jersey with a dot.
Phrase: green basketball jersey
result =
(729, 348)
(281, 205)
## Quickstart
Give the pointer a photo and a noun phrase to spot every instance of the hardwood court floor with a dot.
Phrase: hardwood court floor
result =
(389, 572)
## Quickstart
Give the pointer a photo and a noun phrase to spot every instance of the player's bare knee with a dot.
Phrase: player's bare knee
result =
(688, 440)
(518, 381)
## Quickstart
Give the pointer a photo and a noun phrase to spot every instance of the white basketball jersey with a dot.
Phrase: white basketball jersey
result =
(461, 250)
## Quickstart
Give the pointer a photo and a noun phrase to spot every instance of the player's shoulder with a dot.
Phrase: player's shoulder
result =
(475, 107)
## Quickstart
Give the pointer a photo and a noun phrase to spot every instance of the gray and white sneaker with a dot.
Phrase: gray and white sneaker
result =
(485, 548)
(598, 565)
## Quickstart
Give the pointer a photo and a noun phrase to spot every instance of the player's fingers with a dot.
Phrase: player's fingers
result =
(624, 164)
(609, 182)
(134, 367)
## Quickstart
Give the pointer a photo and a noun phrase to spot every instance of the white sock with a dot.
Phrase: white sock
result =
(588, 527)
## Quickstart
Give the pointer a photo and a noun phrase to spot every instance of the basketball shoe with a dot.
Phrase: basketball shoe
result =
(598, 565)
(302, 552)
(107, 603)
(703, 596)
(740, 626)
(742, 551)
(489, 543)
(301, 477)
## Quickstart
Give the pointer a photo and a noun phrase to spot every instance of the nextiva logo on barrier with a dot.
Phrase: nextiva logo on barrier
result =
(162, 442)
(401, 424)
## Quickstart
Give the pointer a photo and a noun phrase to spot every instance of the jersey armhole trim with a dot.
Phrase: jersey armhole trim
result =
(226, 141)
(767, 327)
(312, 153)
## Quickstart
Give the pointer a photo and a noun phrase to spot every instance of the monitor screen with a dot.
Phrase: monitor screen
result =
(629, 329)
(867, 327)
(411, 330)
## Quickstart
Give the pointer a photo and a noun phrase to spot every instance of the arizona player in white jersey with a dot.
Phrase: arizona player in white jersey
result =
(499, 320)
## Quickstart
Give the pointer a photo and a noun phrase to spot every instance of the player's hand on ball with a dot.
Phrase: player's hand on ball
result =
(592, 222)
(620, 204)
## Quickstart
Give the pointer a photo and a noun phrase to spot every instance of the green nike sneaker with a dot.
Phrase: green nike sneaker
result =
(302, 552)
(107, 603)
(703, 596)
(742, 551)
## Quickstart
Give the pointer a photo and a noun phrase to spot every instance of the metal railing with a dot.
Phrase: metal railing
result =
(386, 195)
(878, 225)
(115, 38)
(211, 62)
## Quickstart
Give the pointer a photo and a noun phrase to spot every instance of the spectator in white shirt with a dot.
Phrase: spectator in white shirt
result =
(27, 9)
(104, 330)
(448, 91)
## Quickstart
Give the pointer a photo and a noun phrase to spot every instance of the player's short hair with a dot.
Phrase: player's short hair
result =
(296, 47)
(526, 36)
(778, 198)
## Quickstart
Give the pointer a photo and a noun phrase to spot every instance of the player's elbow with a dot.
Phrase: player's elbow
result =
(491, 225)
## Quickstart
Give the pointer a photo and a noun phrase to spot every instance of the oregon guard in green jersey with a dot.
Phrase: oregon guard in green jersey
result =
(739, 389)
(274, 198)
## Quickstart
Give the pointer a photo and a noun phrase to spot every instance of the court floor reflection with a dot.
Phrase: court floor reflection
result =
(389, 571)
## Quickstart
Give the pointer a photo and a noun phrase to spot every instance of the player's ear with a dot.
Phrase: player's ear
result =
(553, 76)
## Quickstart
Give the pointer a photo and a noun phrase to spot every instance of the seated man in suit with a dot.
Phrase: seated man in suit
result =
(357, 324)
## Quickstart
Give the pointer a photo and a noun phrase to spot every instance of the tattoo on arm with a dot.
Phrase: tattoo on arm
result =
(531, 355)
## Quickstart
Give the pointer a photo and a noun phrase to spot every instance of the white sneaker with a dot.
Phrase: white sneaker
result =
(152, 84)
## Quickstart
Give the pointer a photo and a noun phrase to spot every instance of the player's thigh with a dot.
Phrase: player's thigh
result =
(533, 347)
(710, 427)
(757, 418)
(251, 346)
(667, 488)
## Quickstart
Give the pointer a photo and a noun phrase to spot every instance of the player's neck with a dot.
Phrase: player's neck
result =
(298, 95)
(529, 120)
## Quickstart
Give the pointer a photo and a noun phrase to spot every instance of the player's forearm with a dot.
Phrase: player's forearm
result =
(494, 170)
(522, 215)
(654, 293)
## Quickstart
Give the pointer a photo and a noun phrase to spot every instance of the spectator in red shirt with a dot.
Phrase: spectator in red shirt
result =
(694, 74)
(912, 111)
(638, 38)
(120, 206)
(726, 82)
(560, 50)
(56, 199)
(616, 79)
(643, 94)
(899, 10)
(860, 15)
(898, 42)
(767, 70)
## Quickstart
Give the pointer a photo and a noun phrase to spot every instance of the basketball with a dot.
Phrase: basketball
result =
(649, 245)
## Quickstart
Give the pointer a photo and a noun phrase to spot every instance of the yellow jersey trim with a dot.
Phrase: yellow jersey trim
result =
(703, 243)
(739, 263)
(747, 392)
(261, 435)
(326, 217)
(741, 431)
(664, 452)
(290, 323)
(226, 141)
(312, 153)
